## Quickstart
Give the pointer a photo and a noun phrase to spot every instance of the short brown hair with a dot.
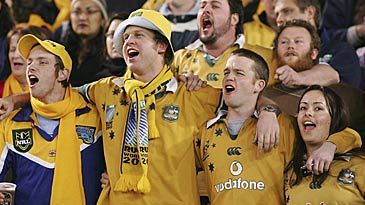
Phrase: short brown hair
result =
(261, 68)
(315, 40)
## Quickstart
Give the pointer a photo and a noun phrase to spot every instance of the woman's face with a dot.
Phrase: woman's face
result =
(17, 62)
(86, 18)
(112, 53)
(314, 119)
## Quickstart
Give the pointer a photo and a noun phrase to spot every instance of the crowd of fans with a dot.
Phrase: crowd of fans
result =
(298, 59)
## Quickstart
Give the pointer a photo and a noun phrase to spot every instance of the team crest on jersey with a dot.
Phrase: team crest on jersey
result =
(109, 116)
(171, 113)
(23, 139)
(85, 133)
(346, 177)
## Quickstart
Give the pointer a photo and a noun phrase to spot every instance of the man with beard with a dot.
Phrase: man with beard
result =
(340, 55)
(220, 32)
(297, 46)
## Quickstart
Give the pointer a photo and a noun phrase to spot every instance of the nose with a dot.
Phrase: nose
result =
(229, 76)
(129, 40)
(205, 10)
(309, 112)
(280, 20)
(83, 15)
(291, 44)
(30, 68)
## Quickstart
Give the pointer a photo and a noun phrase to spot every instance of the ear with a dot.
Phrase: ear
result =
(63, 75)
(259, 86)
(235, 18)
(161, 48)
(314, 53)
(311, 12)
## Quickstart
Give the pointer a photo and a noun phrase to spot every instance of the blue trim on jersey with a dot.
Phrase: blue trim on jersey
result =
(34, 181)
(47, 136)
(93, 165)
(23, 115)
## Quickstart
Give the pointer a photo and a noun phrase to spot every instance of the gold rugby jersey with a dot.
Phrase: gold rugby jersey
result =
(192, 59)
(344, 185)
(237, 173)
(30, 153)
(171, 160)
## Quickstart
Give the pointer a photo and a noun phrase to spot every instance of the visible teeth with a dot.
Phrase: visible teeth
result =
(307, 123)
(132, 52)
(206, 23)
(229, 88)
(33, 79)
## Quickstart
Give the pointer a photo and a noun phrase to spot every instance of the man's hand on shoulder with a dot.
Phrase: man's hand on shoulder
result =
(6, 107)
(267, 131)
(320, 160)
(193, 82)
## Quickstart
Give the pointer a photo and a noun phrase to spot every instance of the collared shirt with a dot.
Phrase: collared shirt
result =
(171, 169)
(31, 153)
(344, 185)
(195, 60)
(236, 171)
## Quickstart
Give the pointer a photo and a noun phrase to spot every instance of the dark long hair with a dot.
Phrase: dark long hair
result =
(6, 19)
(117, 16)
(94, 46)
(339, 121)
(236, 6)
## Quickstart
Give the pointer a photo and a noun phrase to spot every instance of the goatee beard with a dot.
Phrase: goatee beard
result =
(208, 40)
(302, 64)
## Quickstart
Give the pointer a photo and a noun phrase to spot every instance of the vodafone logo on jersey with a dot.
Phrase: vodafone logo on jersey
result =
(236, 169)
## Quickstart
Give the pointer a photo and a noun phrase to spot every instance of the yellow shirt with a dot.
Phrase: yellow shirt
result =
(344, 185)
(31, 153)
(237, 173)
(171, 170)
(258, 33)
(152, 4)
(193, 59)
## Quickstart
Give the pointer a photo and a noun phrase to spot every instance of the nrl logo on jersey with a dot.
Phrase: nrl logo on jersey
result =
(23, 139)
(171, 113)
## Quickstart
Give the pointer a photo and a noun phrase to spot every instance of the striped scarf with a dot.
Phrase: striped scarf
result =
(141, 126)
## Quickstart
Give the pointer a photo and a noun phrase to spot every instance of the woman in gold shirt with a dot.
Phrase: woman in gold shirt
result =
(321, 113)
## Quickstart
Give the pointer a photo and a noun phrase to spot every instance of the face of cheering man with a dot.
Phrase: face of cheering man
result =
(43, 77)
(215, 20)
(143, 55)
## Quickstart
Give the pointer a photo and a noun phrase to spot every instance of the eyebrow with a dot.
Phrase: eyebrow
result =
(321, 103)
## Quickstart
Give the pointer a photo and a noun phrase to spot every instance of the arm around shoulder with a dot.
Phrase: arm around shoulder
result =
(345, 140)
(10, 103)
(320, 74)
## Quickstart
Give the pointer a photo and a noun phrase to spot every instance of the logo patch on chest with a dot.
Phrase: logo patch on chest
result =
(85, 133)
(346, 177)
(110, 112)
(23, 139)
(171, 113)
